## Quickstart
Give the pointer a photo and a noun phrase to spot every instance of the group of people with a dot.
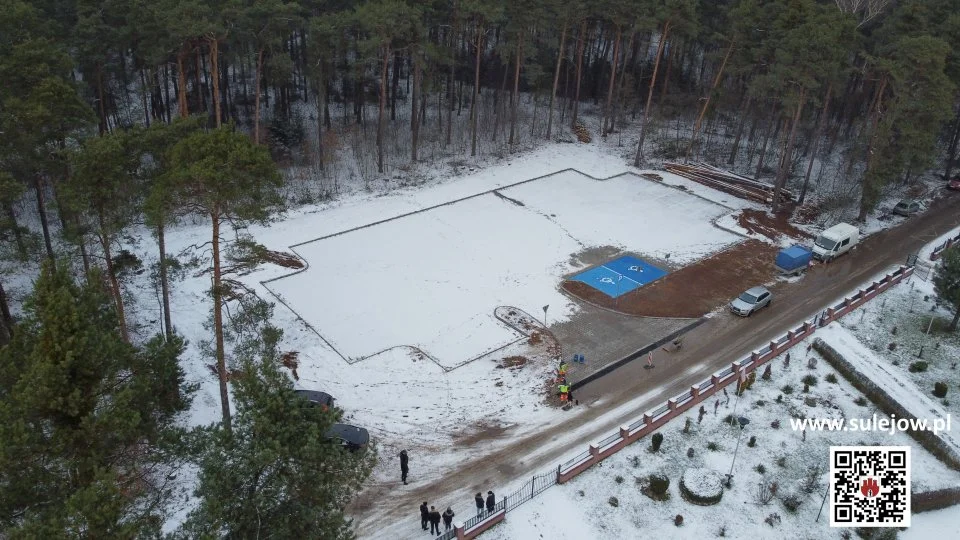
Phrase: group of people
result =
(564, 389)
(432, 516)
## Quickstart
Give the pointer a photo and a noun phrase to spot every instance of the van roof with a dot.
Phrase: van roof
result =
(841, 230)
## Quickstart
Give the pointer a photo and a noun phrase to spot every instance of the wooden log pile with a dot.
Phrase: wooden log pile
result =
(728, 182)
(581, 132)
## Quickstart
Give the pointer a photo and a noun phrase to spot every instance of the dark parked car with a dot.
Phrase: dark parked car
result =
(352, 438)
(317, 398)
(954, 183)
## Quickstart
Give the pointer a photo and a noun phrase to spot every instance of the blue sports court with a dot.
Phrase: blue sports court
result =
(620, 276)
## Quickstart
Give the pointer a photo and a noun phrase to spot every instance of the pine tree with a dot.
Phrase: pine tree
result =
(82, 416)
(221, 174)
(275, 473)
(946, 282)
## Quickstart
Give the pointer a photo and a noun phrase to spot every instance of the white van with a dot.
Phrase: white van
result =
(835, 241)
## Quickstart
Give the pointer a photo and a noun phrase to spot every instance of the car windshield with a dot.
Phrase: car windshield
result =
(748, 298)
(825, 243)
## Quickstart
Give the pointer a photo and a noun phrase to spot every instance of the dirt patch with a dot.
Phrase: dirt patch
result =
(651, 176)
(482, 431)
(290, 361)
(806, 214)
(695, 289)
(594, 255)
(773, 227)
(513, 362)
(535, 339)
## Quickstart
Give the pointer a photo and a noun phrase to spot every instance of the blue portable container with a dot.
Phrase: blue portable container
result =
(794, 259)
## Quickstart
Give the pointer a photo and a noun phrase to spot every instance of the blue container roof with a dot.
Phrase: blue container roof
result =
(796, 251)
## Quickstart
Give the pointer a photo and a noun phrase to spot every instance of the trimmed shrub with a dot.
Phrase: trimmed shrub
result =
(782, 461)
(712, 446)
(678, 521)
(659, 484)
(787, 389)
(792, 503)
(752, 442)
(831, 378)
(861, 401)
(940, 389)
(614, 502)
(760, 469)
(701, 486)
(656, 441)
(618, 479)
(810, 380)
(918, 366)
(690, 452)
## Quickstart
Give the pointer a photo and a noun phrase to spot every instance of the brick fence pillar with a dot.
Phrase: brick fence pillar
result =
(694, 391)
(594, 451)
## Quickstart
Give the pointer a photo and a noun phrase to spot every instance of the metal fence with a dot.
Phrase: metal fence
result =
(533, 487)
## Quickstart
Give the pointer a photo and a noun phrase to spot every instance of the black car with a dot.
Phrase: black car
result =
(352, 438)
(317, 398)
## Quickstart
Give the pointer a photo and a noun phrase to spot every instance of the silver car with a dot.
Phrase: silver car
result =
(906, 207)
(751, 301)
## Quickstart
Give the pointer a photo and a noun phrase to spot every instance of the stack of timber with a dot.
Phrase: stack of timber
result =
(728, 182)
(581, 132)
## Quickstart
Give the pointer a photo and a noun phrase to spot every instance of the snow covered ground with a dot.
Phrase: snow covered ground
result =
(583, 508)
(433, 279)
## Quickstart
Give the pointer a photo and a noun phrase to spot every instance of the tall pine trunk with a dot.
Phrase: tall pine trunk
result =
(414, 113)
(618, 98)
(556, 78)
(706, 100)
(952, 149)
(515, 98)
(787, 158)
(256, 97)
(112, 276)
(215, 78)
(608, 108)
(579, 77)
(817, 134)
(42, 211)
(164, 283)
(383, 104)
(474, 106)
(218, 321)
(653, 80)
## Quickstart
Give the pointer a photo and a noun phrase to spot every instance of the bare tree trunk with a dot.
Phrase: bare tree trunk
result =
(397, 60)
(17, 233)
(256, 97)
(450, 101)
(383, 104)
(164, 281)
(653, 80)
(515, 98)
(202, 98)
(474, 106)
(114, 284)
(556, 78)
(321, 100)
(143, 98)
(414, 113)
(816, 144)
(618, 99)
(218, 321)
(42, 211)
(101, 102)
(952, 149)
(215, 78)
(8, 322)
(706, 100)
(580, 47)
(868, 191)
(787, 158)
(763, 148)
(608, 108)
(182, 103)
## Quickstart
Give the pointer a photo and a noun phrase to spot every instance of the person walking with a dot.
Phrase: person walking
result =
(434, 521)
(448, 519)
(479, 500)
(424, 515)
(404, 468)
(491, 501)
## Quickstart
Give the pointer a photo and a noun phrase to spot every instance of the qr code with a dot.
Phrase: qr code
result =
(869, 486)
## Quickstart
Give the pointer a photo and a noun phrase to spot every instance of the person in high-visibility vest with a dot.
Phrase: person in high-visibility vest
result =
(563, 368)
(564, 388)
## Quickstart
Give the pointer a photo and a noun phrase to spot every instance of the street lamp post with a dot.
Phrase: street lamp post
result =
(743, 422)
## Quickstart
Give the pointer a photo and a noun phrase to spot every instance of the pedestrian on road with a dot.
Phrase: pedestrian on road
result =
(479, 500)
(434, 521)
(448, 519)
(404, 468)
(491, 501)
(424, 515)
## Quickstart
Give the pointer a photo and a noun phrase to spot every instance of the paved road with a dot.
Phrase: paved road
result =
(630, 391)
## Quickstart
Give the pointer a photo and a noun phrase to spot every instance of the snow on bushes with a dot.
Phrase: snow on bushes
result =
(701, 486)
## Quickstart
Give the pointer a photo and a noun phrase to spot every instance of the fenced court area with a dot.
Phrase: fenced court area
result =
(433, 278)
(620, 276)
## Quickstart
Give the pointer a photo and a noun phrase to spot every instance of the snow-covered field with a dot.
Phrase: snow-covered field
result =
(432, 279)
